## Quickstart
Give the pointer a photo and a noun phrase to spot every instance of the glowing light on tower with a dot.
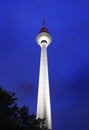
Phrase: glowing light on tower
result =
(43, 104)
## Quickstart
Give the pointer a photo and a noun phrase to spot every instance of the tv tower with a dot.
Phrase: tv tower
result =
(43, 103)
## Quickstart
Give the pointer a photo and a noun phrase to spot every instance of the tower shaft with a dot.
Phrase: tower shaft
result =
(43, 104)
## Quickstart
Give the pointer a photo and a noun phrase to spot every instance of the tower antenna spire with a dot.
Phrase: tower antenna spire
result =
(44, 21)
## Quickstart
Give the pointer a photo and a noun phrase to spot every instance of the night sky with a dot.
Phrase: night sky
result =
(68, 56)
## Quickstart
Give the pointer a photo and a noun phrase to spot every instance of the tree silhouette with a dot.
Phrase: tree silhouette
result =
(14, 118)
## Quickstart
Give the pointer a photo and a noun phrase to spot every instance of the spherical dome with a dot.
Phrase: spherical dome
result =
(43, 38)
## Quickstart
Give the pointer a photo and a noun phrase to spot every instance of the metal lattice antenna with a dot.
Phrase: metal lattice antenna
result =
(44, 21)
(44, 29)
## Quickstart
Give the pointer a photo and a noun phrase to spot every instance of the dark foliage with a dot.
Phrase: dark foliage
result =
(14, 118)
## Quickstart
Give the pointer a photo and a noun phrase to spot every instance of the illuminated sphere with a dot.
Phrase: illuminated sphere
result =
(44, 37)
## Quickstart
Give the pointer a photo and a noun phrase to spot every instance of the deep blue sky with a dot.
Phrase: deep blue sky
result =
(68, 55)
